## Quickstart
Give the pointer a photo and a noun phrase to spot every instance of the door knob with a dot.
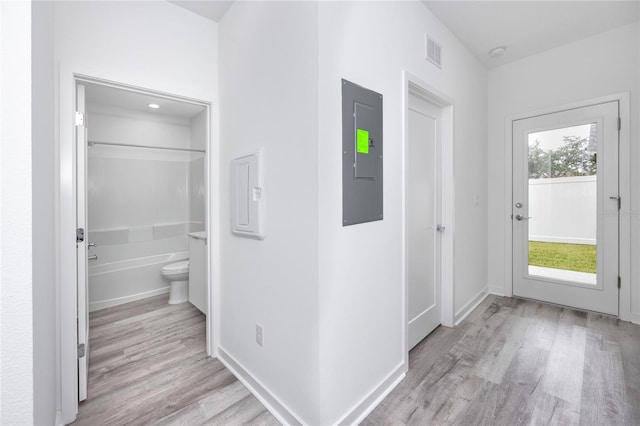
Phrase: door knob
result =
(440, 228)
(520, 217)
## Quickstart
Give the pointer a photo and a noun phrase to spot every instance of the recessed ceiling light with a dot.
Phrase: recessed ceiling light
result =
(153, 106)
(497, 51)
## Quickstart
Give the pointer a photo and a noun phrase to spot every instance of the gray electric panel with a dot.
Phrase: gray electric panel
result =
(361, 154)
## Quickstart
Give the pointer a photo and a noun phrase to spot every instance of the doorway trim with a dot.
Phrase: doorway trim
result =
(67, 374)
(414, 86)
(624, 173)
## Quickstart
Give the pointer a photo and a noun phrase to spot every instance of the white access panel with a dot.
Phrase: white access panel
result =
(247, 196)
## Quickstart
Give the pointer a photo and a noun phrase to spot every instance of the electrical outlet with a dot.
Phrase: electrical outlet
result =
(259, 334)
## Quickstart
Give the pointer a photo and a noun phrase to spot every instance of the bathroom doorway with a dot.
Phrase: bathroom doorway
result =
(142, 203)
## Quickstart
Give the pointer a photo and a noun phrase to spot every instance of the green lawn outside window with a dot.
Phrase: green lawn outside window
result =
(570, 257)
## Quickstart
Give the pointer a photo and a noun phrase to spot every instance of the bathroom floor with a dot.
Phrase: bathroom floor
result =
(148, 364)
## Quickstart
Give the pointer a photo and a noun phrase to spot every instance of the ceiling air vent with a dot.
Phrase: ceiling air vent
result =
(434, 52)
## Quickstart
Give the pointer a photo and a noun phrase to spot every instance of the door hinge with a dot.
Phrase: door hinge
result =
(81, 350)
(79, 119)
(618, 199)
(619, 282)
(619, 123)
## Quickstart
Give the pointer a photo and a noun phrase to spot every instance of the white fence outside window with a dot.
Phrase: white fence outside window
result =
(563, 210)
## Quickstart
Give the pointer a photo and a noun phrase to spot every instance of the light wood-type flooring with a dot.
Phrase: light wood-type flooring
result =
(517, 362)
(148, 365)
(511, 362)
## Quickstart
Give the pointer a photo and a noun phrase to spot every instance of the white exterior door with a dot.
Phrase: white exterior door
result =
(565, 208)
(422, 218)
(81, 244)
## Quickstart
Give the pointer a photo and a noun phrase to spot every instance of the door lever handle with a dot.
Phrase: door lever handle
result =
(91, 245)
(520, 217)
(94, 257)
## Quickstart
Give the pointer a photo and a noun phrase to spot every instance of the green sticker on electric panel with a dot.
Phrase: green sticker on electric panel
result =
(362, 141)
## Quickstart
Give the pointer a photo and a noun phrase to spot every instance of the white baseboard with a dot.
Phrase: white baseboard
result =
(634, 318)
(287, 417)
(101, 304)
(367, 404)
(276, 407)
(469, 307)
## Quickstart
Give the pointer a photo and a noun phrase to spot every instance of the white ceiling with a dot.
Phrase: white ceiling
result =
(524, 27)
(528, 27)
(210, 9)
(133, 101)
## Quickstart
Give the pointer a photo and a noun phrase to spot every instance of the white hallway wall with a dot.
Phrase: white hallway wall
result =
(361, 288)
(155, 45)
(268, 99)
(597, 66)
(330, 298)
(28, 373)
(16, 323)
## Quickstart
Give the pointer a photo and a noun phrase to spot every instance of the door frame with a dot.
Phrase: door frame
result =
(624, 182)
(82, 262)
(412, 86)
(66, 303)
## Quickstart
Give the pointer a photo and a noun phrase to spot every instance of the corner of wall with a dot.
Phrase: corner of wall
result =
(268, 100)
(43, 221)
(463, 312)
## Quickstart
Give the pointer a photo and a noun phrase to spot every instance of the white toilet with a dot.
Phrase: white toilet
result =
(178, 275)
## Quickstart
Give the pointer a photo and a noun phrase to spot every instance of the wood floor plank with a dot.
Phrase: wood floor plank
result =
(511, 362)
(520, 362)
(603, 393)
(148, 364)
(563, 378)
(543, 320)
(430, 400)
(263, 419)
(207, 407)
(421, 361)
(243, 412)
(509, 402)
(629, 350)
(552, 411)
(494, 363)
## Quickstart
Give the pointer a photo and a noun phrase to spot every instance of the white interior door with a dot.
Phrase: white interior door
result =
(566, 208)
(422, 218)
(81, 244)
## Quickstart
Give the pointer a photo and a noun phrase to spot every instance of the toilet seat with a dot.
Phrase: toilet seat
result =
(176, 268)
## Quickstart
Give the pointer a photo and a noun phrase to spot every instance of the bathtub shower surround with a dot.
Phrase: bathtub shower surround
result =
(139, 202)
(142, 200)
(124, 281)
